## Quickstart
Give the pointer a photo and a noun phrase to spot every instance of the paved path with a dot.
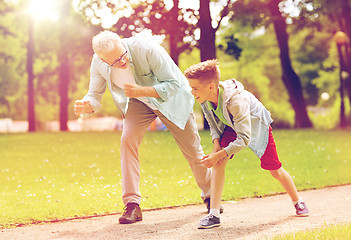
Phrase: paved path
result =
(255, 218)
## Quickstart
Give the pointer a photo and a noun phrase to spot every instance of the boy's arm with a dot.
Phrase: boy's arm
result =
(216, 145)
(215, 129)
(240, 110)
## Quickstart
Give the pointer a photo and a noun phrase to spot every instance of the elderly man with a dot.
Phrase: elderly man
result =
(145, 83)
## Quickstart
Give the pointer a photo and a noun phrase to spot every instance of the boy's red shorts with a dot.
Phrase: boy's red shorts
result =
(269, 160)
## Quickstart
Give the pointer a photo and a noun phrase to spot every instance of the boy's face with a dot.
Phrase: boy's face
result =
(201, 91)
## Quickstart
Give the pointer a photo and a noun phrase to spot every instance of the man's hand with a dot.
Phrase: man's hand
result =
(135, 90)
(81, 106)
(212, 159)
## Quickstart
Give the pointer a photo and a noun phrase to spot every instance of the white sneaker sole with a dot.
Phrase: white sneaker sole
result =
(303, 215)
(210, 226)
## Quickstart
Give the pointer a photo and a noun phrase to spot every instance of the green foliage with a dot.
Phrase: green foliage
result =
(49, 176)
(328, 76)
(328, 117)
(258, 68)
(13, 78)
(313, 53)
(309, 51)
(189, 58)
(12, 65)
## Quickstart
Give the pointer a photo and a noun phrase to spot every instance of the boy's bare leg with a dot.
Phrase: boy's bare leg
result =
(217, 183)
(286, 181)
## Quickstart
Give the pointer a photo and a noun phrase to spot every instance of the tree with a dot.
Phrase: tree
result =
(333, 16)
(290, 78)
(62, 47)
(207, 41)
(262, 13)
(64, 70)
(177, 24)
(12, 64)
(30, 88)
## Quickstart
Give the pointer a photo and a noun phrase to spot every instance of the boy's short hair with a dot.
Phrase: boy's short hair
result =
(206, 72)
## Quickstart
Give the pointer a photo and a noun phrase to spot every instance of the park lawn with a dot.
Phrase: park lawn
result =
(335, 232)
(52, 176)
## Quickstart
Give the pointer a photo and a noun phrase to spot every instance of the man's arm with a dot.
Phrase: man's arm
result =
(135, 90)
(166, 72)
(97, 87)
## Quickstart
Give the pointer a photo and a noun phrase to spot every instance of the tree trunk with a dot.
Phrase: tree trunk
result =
(290, 78)
(30, 90)
(346, 14)
(64, 76)
(341, 88)
(173, 49)
(173, 35)
(207, 42)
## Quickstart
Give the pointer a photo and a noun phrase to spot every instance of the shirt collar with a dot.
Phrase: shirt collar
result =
(129, 52)
(220, 97)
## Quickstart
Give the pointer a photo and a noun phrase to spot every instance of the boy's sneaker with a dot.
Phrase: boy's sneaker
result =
(301, 209)
(207, 201)
(209, 221)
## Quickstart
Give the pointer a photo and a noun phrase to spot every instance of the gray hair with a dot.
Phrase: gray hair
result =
(105, 41)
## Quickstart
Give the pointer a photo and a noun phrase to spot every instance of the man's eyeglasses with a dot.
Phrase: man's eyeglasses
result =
(118, 60)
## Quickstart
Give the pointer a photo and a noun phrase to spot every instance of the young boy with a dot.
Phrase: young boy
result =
(237, 119)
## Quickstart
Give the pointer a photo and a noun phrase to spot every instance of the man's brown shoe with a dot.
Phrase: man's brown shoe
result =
(132, 213)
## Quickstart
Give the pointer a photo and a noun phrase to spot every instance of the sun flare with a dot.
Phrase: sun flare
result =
(44, 9)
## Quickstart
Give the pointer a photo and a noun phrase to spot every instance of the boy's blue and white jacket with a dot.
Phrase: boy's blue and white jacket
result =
(245, 114)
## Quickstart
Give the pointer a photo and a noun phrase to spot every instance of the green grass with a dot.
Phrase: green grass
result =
(335, 232)
(50, 176)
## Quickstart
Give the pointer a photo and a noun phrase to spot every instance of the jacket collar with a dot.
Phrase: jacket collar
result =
(231, 87)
